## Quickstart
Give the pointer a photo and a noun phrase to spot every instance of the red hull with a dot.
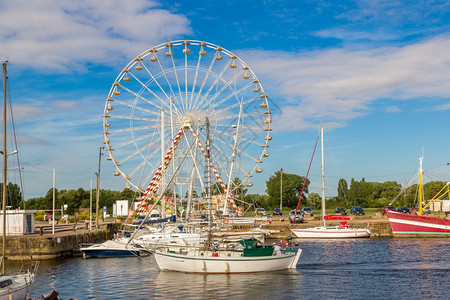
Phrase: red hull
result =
(414, 225)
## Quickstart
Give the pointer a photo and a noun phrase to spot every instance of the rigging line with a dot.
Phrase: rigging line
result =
(306, 178)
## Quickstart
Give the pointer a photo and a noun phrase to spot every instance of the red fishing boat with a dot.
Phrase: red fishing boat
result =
(416, 224)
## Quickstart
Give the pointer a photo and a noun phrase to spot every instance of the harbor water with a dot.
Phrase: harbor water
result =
(376, 268)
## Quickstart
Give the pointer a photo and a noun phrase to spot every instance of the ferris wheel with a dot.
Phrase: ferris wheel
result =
(156, 115)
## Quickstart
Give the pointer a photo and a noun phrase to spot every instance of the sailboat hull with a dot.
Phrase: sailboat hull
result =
(414, 225)
(225, 262)
(331, 232)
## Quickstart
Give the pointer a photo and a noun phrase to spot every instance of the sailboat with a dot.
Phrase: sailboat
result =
(11, 286)
(210, 259)
(418, 225)
(330, 232)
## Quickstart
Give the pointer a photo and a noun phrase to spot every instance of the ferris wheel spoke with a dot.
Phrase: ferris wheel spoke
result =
(135, 140)
(140, 96)
(231, 147)
(197, 68)
(213, 85)
(236, 105)
(131, 118)
(226, 85)
(133, 106)
(205, 80)
(235, 116)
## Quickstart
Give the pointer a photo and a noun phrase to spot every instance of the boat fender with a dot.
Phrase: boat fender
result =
(283, 244)
(225, 221)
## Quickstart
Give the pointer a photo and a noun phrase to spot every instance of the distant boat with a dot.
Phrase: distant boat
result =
(250, 259)
(417, 225)
(330, 232)
(112, 248)
(12, 286)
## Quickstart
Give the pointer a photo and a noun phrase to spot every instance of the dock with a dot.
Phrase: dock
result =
(65, 241)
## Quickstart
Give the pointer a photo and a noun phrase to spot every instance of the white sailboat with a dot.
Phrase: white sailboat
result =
(329, 232)
(11, 286)
(250, 259)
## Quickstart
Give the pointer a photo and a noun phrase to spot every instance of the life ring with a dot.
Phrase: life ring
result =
(283, 244)
(225, 221)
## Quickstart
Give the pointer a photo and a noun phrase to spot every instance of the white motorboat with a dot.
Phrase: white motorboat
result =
(113, 248)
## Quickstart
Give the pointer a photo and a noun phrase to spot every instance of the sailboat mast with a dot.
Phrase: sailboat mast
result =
(4, 168)
(323, 177)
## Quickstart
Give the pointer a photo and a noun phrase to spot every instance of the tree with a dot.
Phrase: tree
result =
(292, 188)
(13, 194)
(342, 188)
(314, 200)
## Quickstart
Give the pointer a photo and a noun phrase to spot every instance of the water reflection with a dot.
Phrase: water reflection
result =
(346, 269)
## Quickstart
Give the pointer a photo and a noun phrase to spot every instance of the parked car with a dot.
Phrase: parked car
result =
(260, 211)
(388, 207)
(340, 210)
(277, 212)
(298, 218)
(307, 211)
(404, 209)
(357, 210)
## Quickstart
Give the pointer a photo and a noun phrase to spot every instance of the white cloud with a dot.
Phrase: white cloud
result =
(340, 85)
(58, 36)
(393, 109)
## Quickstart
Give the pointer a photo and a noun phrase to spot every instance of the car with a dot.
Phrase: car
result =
(260, 211)
(307, 211)
(298, 218)
(357, 210)
(277, 211)
(340, 210)
(388, 207)
(404, 210)
(232, 213)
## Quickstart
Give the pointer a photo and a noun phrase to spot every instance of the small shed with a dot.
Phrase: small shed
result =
(18, 222)
(120, 208)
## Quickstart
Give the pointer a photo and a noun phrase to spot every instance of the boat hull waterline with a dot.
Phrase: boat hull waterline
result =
(224, 263)
(331, 233)
(415, 225)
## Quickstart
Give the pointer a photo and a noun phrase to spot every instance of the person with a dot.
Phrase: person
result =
(276, 249)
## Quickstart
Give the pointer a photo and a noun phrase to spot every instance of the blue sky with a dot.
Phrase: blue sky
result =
(376, 74)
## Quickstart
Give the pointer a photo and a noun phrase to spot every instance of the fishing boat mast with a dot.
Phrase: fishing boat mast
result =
(420, 185)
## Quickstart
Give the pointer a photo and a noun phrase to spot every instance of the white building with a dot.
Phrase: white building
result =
(18, 222)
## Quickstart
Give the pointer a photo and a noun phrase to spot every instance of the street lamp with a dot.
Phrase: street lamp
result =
(281, 190)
